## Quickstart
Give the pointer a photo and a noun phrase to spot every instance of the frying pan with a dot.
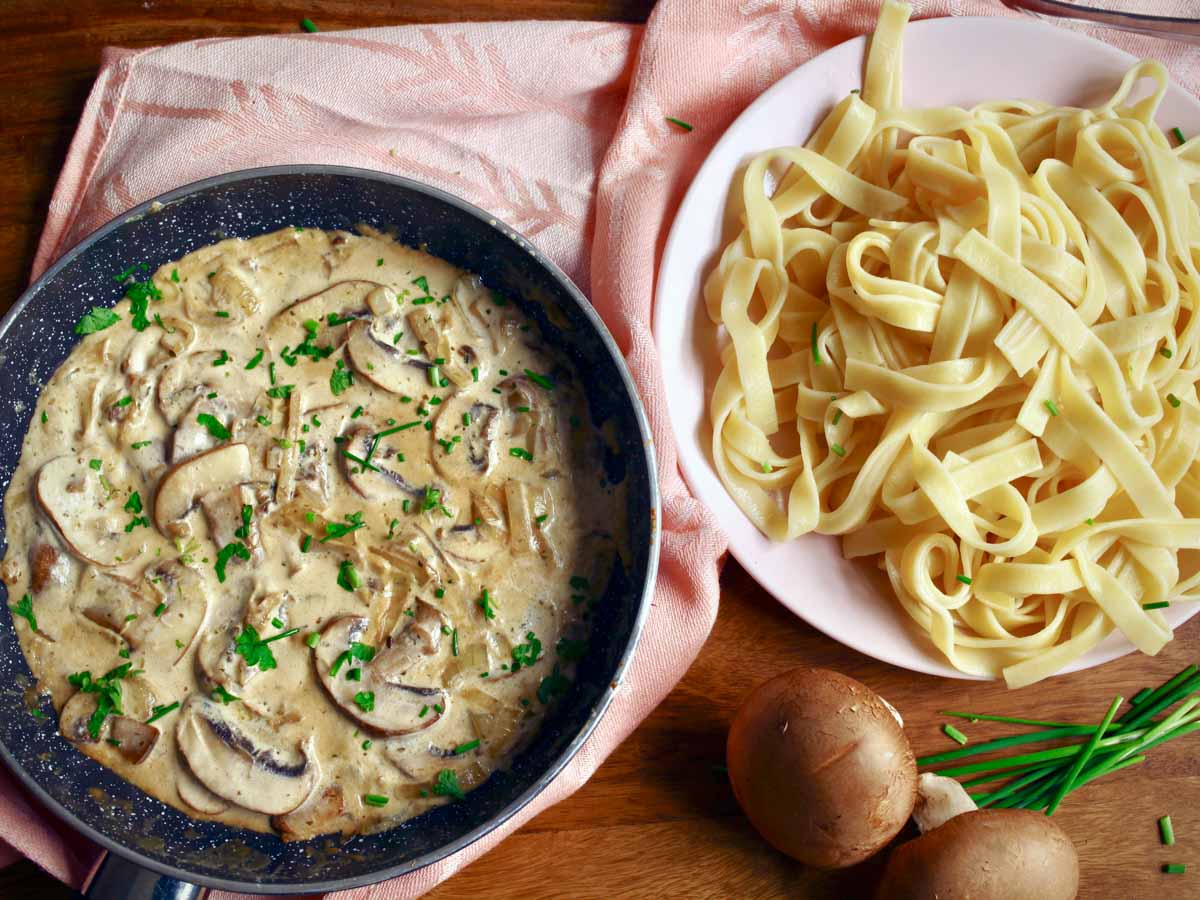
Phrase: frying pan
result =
(154, 850)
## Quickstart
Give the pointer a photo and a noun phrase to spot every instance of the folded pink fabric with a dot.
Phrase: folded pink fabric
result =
(557, 128)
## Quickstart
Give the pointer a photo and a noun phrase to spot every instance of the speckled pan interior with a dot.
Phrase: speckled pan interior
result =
(36, 336)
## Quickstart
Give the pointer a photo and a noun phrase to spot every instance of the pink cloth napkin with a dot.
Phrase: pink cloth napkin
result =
(557, 128)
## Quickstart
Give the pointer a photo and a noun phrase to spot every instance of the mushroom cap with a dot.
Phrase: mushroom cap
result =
(821, 767)
(989, 854)
(241, 757)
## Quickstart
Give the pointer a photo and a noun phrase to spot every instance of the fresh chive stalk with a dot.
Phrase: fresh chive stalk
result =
(1166, 831)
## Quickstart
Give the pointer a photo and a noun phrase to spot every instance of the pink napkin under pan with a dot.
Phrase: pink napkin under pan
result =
(558, 128)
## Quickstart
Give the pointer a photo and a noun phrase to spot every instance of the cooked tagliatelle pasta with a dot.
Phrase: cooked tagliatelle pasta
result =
(967, 341)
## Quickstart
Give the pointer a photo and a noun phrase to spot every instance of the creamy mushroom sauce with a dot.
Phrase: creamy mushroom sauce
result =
(337, 440)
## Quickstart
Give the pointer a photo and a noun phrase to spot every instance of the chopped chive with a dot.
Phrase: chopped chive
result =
(475, 373)
(838, 449)
(1167, 352)
(374, 800)
(1166, 831)
(1052, 407)
(521, 453)
(816, 351)
(1090, 520)
(466, 420)
(255, 360)
(313, 639)
(466, 748)
(542, 381)
(1174, 401)
(1177, 133)
(454, 642)
(837, 416)
(954, 734)
(1174, 868)
(680, 123)
(965, 579)
(1161, 604)
(160, 711)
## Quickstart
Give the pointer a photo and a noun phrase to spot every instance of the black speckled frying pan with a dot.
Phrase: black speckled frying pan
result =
(155, 850)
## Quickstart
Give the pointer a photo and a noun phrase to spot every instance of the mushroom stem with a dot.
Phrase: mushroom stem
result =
(939, 799)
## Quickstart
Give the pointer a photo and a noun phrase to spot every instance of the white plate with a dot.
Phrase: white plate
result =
(959, 61)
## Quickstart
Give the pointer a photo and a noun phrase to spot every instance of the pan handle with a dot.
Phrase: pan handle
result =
(116, 878)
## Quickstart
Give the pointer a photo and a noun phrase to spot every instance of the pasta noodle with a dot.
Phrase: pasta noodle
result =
(967, 341)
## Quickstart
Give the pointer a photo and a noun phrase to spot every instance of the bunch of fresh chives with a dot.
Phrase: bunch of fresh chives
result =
(1040, 779)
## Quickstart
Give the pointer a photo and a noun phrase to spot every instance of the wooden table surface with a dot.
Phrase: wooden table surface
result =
(658, 819)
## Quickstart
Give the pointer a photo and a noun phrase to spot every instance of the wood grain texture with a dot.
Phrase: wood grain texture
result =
(658, 819)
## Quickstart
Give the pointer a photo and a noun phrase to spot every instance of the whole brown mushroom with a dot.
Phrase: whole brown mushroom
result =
(821, 767)
(988, 854)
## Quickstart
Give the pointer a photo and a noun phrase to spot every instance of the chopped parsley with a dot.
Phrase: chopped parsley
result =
(219, 693)
(228, 552)
(107, 689)
(365, 700)
(341, 379)
(553, 685)
(362, 652)
(94, 465)
(281, 391)
(24, 609)
(354, 521)
(254, 649)
(244, 531)
(214, 426)
(526, 654)
(520, 453)
(679, 123)
(138, 445)
(447, 785)
(134, 506)
(96, 321)
(124, 401)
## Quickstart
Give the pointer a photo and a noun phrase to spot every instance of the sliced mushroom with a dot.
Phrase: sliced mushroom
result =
(397, 702)
(191, 438)
(180, 608)
(400, 465)
(182, 381)
(472, 544)
(435, 327)
(386, 365)
(219, 665)
(134, 739)
(138, 696)
(117, 605)
(76, 499)
(223, 510)
(226, 292)
(74, 718)
(414, 553)
(240, 757)
(469, 427)
(317, 815)
(345, 299)
(43, 566)
(183, 485)
(196, 795)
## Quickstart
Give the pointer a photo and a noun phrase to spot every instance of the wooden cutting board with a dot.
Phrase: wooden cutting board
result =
(658, 818)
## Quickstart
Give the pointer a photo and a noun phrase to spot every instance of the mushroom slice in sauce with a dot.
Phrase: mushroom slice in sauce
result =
(343, 300)
(401, 465)
(76, 499)
(138, 696)
(386, 365)
(192, 438)
(468, 426)
(223, 512)
(228, 291)
(179, 612)
(240, 757)
(182, 380)
(319, 814)
(115, 604)
(183, 485)
(44, 566)
(195, 794)
(397, 702)
(134, 739)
